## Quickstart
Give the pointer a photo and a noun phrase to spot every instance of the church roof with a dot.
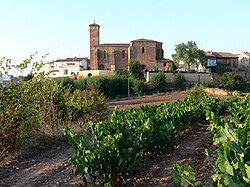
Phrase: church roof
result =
(144, 40)
(114, 44)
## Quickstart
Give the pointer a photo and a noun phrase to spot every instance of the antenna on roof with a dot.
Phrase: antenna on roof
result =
(94, 21)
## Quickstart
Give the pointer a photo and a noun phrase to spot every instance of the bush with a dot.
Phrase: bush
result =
(196, 92)
(109, 86)
(80, 84)
(43, 107)
(232, 81)
(122, 73)
(138, 86)
(65, 82)
(179, 80)
(159, 81)
(137, 70)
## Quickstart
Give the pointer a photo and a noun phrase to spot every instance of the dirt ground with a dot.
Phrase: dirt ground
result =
(49, 165)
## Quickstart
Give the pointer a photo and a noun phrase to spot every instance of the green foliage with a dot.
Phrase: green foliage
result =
(110, 150)
(222, 68)
(109, 86)
(39, 106)
(232, 138)
(184, 175)
(80, 84)
(190, 54)
(136, 70)
(232, 81)
(138, 86)
(179, 80)
(231, 135)
(159, 81)
(65, 82)
(122, 73)
(197, 92)
(89, 103)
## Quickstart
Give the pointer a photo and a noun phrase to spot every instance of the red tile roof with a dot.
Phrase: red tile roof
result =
(144, 40)
(247, 53)
(114, 44)
(220, 54)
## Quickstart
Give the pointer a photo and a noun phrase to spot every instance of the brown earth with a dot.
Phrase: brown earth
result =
(49, 166)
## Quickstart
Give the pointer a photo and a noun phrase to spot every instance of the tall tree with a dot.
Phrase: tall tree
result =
(189, 54)
(137, 70)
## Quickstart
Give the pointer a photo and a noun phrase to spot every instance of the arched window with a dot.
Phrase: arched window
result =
(104, 55)
(123, 53)
(142, 50)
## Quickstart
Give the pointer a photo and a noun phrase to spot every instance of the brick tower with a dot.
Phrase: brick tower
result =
(94, 41)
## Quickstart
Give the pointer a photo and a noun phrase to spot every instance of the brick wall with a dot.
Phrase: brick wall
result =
(115, 59)
(94, 37)
(148, 57)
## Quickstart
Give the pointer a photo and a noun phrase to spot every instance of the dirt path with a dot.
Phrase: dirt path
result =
(189, 149)
(153, 99)
(49, 166)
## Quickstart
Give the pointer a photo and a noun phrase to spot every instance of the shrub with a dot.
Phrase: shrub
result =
(196, 92)
(109, 86)
(232, 81)
(179, 80)
(138, 86)
(80, 84)
(122, 73)
(65, 82)
(43, 107)
(137, 70)
(159, 81)
(89, 104)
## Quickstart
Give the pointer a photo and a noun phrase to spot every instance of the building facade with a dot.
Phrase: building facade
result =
(244, 66)
(66, 67)
(225, 59)
(244, 61)
(116, 56)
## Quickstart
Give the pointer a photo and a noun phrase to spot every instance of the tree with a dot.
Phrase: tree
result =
(179, 80)
(159, 81)
(138, 86)
(136, 70)
(189, 54)
(232, 81)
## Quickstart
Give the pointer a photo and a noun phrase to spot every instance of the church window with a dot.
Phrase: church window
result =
(123, 53)
(142, 50)
(104, 54)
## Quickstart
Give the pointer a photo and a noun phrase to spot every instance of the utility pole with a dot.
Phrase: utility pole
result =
(128, 83)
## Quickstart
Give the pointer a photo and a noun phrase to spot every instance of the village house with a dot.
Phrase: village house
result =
(225, 59)
(244, 66)
(66, 67)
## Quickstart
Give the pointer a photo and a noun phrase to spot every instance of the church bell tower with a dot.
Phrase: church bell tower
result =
(94, 31)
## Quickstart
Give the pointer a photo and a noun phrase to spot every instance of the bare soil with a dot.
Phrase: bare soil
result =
(45, 165)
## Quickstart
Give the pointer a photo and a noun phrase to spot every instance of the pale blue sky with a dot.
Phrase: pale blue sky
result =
(61, 27)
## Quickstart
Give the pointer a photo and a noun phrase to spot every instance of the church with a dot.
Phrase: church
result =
(116, 56)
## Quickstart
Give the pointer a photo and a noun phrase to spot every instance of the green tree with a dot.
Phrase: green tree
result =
(159, 81)
(189, 54)
(232, 81)
(179, 80)
(138, 86)
(136, 70)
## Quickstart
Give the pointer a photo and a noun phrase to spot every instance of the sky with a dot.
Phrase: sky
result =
(61, 27)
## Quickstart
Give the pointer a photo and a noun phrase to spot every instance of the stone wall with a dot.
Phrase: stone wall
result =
(189, 77)
(86, 73)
